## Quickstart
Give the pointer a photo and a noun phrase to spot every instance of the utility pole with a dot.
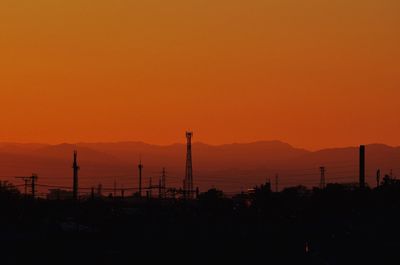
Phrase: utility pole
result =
(160, 188)
(32, 181)
(378, 178)
(75, 180)
(26, 181)
(277, 183)
(362, 166)
(322, 180)
(34, 178)
(163, 183)
(140, 166)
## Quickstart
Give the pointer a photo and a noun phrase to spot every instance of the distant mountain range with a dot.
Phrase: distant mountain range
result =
(232, 167)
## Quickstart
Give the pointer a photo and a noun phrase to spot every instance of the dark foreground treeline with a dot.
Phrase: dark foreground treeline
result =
(337, 225)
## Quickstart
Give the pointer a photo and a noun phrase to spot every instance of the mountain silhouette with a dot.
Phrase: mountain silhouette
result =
(232, 167)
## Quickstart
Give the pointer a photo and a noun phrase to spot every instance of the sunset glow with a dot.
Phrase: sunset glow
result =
(312, 73)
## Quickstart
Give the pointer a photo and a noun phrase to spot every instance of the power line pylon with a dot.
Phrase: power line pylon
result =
(188, 191)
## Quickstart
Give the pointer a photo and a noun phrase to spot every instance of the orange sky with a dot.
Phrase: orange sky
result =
(314, 73)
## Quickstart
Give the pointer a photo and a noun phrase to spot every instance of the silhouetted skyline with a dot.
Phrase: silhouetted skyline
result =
(232, 168)
(97, 97)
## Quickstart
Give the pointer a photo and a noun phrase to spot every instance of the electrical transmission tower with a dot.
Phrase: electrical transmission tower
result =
(188, 191)
(75, 180)
(322, 180)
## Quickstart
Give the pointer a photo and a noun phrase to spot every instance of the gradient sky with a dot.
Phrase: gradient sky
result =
(314, 73)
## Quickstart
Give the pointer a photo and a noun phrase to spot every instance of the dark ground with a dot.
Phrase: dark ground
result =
(338, 226)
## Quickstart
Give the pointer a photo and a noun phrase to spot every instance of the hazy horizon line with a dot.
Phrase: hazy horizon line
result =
(195, 142)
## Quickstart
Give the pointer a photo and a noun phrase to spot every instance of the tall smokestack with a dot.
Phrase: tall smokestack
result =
(362, 166)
